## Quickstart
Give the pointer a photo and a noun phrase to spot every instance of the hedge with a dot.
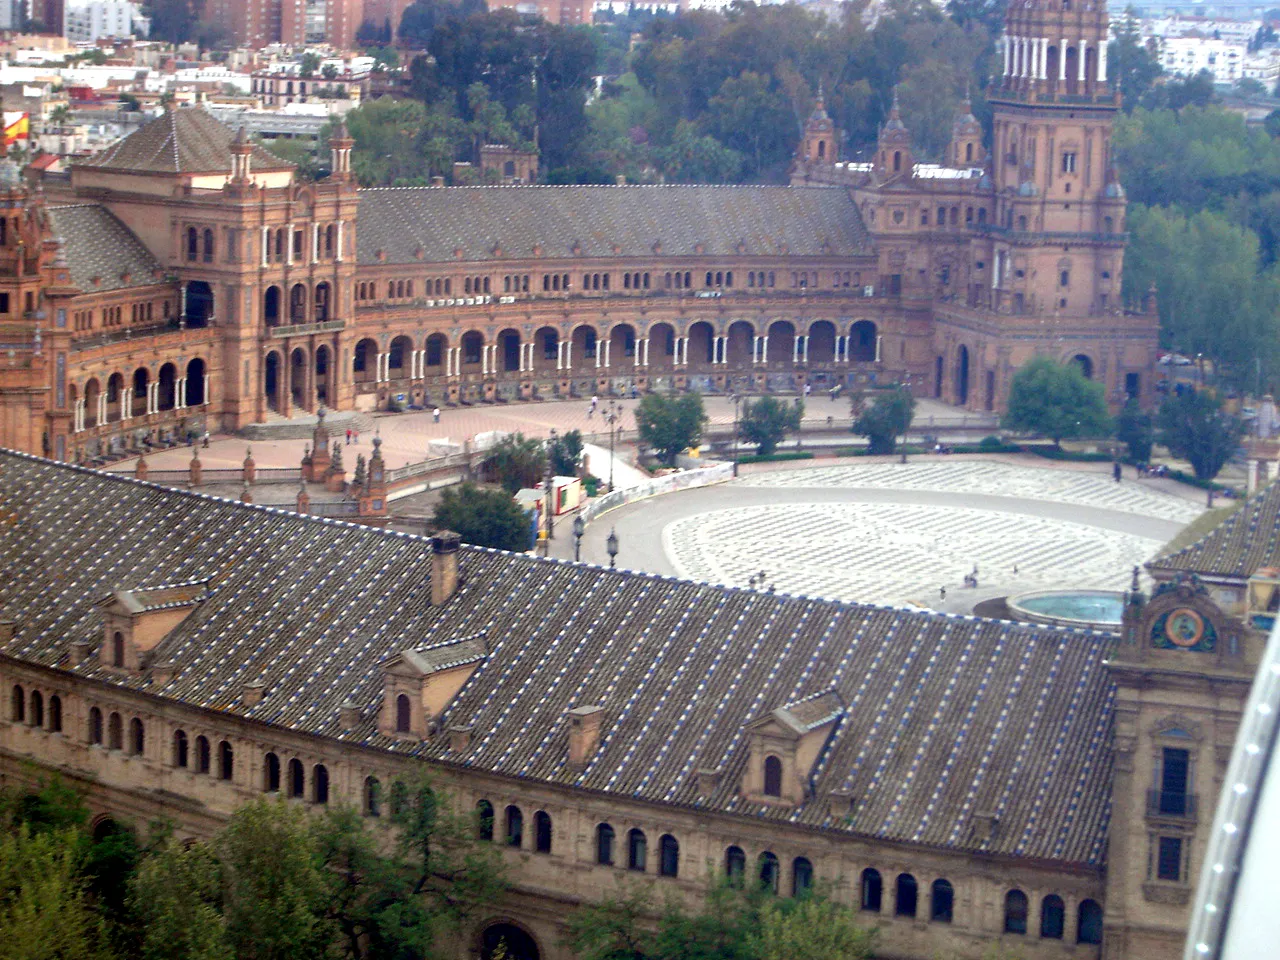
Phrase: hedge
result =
(775, 457)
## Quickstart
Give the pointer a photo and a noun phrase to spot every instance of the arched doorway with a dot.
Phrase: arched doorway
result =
(321, 302)
(167, 394)
(509, 942)
(962, 376)
(91, 393)
(193, 395)
(1085, 365)
(1073, 68)
(115, 390)
(701, 344)
(472, 351)
(509, 351)
(586, 345)
(365, 365)
(662, 347)
(271, 306)
(199, 303)
(271, 381)
(399, 356)
(740, 344)
(822, 342)
(782, 342)
(437, 343)
(323, 361)
(546, 350)
(298, 304)
(622, 346)
(862, 342)
(141, 380)
(298, 377)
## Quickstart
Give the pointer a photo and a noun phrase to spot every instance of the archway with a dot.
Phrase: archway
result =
(509, 942)
(1051, 63)
(546, 350)
(199, 303)
(298, 377)
(702, 344)
(271, 380)
(323, 361)
(436, 345)
(91, 393)
(740, 344)
(141, 380)
(782, 342)
(115, 390)
(271, 306)
(365, 365)
(399, 357)
(862, 342)
(509, 351)
(298, 303)
(1085, 365)
(622, 345)
(962, 376)
(193, 395)
(472, 351)
(1073, 69)
(586, 346)
(321, 298)
(662, 347)
(167, 394)
(822, 342)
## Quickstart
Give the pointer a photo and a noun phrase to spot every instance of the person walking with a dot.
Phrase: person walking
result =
(435, 415)
(1115, 470)
(348, 436)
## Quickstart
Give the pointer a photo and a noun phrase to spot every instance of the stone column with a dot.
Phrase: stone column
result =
(1062, 60)
(1102, 63)
(1084, 45)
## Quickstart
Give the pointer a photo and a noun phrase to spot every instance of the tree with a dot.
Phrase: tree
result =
(1133, 65)
(766, 422)
(177, 897)
(516, 462)
(1135, 430)
(45, 909)
(310, 63)
(485, 518)
(812, 927)
(1195, 428)
(885, 420)
(566, 453)
(668, 425)
(1055, 400)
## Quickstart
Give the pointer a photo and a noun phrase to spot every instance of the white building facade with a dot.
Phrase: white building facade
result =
(87, 23)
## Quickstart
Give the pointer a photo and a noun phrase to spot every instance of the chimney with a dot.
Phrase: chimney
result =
(79, 652)
(6, 630)
(162, 672)
(437, 181)
(459, 739)
(839, 804)
(444, 566)
(253, 693)
(584, 733)
(708, 782)
(620, 180)
(348, 715)
(983, 825)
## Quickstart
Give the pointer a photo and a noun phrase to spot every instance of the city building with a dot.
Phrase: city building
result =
(294, 23)
(90, 22)
(553, 11)
(1187, 56)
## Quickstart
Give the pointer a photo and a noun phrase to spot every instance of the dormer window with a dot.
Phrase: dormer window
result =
(403, 714)
(117, 649)
(772, 777)
(785, 746)
(136, 622)
(420, 683)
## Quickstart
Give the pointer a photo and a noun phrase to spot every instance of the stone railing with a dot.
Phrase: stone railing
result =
(685, 480)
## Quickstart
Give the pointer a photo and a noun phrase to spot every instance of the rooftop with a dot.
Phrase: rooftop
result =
(1245, 540)
(98, 245)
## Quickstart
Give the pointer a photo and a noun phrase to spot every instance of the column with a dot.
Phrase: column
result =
(608, 350)
(755, 349)
(1021, 69)
(599, 354)
(102, 407)
(1084, 45)
(1044, 58)
(1004, 52)
(153, 396)
(288, 244)
(684, 348)
(1102, 63)
(180, 393)
(315, 243)
(641, 346)
(879, 340)
(77, 416)
(840, 348)
(1062, 60)
(795, 348)
(457, 360)
(646, 351)
(266, 244)
(764, 349)
(126, 403)
(339, 250)
(806, 348)
(568, 355)
(1033, 51)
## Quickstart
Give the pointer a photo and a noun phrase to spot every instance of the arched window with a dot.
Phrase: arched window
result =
(271, 773)
(904, 904)
(193, 244)
(1015, 912)
(1053, 917)
(208, 246)
(604, 844)
(668, 856)
(402, 714)
(872, 890)
(769, 872)
(801, 877)
(55, 714)
(637, 850)
(18, 704)
(115, 732)
(137, 737)
(37, 709)
(484, 817)
(941, 900)
(772, 777)
(297, 778)
(202, 754)
(117, 649)
(373, 800)
(319, 783)
(542, 832)
(515, 826)
(735, 865)
(1089, 922)
(95, 725)
(226, 761)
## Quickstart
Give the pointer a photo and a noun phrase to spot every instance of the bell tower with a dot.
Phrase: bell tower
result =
(818, 145)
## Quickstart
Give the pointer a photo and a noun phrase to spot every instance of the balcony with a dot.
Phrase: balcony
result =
(1172, 806)
(302, 329)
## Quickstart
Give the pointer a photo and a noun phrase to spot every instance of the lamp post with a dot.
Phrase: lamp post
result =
(551, 529)
(579, 528)
(736, 401)
(611, 544)
(612, 414)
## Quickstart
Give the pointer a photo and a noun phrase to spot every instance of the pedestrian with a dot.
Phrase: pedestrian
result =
(594, 400)
(355, 437)
(1115, 470)
(435, 415)
(348, 436)
(942, 593)
(808, 388)
(206, 439)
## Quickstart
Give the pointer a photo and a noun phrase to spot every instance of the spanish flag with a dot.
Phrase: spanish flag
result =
(17, 126)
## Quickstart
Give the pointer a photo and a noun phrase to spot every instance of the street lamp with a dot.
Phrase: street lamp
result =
(611, 544)
(612, 414)
(551, 529)
(579, 528)
(736, 400)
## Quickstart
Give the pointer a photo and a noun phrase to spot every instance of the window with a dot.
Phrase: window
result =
(1089, 922)
(1169, 858)
(668, 856)
(1068, 161)
(208, 246)
(226, 761)
(37, 709)
(55, 714)
(115, 732)
(193, 244)
(904, 904)
(1015, 912)
(515, 826)
(319, 783)
(872, 890)
(941, 901)
(484, 820)
(1052, 917)
(202, 754)
(1175, 775)
(604, 844)
(402, 702)
(542, 832)
(637, 850)
(18, 704)
(772, 777)
(95, 725)
(769, 872)
(1064, 278)
(297, 778)
(137, 737)
(801, 877)
(271, 773)
(735, 865)
(117, 649)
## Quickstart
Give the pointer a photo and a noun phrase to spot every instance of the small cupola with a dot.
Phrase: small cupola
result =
(134, 622)
(785, 746)
(420, 682)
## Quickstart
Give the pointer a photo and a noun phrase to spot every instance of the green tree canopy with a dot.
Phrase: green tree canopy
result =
(516, 462)
(1135, 429)
(670, 424)
(566, 453)
(885, 419)
(767, 421)
(485, 518)
(1055, 400)
(1195, 428)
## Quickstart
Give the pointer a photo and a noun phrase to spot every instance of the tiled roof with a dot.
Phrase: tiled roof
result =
(182, 140)
(165, 597)
(97, 244)
(812, 712)
(942, 717)
(408, 224)
(1247, 539)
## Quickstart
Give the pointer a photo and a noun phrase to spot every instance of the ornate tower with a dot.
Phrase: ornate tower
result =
(893, 149)
(965, 149)
(818, 145)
